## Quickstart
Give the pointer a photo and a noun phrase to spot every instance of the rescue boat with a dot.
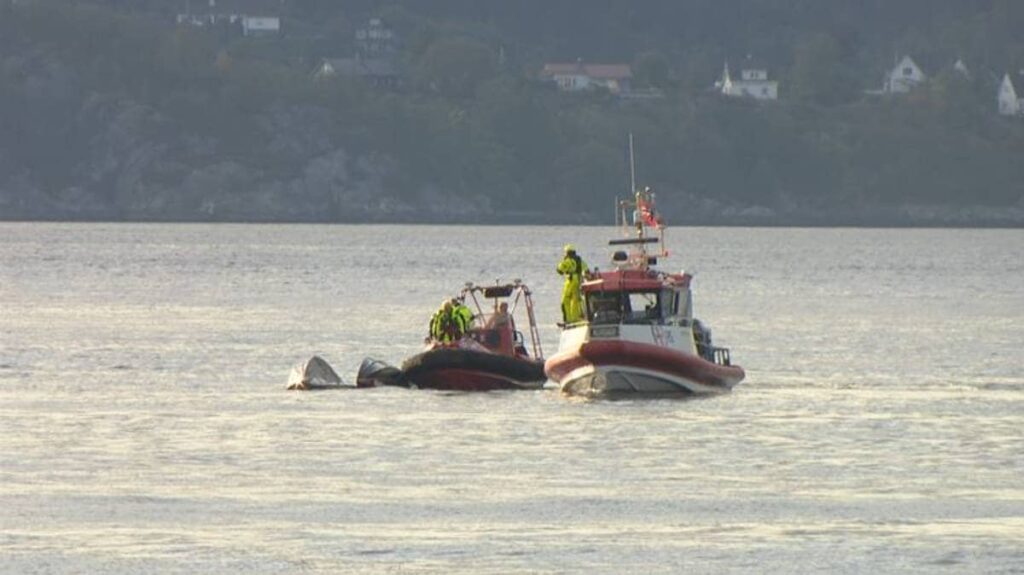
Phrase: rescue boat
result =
(639, 335)
(491, 355)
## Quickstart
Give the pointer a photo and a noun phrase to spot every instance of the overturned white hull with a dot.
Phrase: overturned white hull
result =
(314, 373)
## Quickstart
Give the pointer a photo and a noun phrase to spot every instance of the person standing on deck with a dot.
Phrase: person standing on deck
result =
(573, 268)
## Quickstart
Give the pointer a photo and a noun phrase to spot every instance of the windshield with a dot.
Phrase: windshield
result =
(624, 307)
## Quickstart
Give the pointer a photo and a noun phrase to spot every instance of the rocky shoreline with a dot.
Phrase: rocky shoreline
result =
(77, 205)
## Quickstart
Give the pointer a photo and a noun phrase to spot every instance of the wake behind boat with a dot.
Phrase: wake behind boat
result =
(639, 335)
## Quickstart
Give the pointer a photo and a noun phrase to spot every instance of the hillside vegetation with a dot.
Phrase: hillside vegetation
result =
(108, 110)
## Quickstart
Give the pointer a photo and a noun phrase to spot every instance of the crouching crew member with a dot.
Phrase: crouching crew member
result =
(462, 314)
(442, 324)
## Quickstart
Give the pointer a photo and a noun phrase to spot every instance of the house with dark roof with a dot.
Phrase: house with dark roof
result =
(752, 82)
(578, 76)
(376, 39)
(903, 77)
(374, 62)
(377, 72)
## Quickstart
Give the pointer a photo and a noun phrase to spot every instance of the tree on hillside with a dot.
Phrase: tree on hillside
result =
(819, 74)
(454, 67)
(651, 69)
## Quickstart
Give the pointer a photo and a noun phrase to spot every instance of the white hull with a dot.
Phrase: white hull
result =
(626, 380)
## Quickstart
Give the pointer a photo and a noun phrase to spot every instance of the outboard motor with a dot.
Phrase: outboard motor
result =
(373, 373)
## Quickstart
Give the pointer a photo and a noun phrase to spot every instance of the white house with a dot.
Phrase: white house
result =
(378, 72)
(376, 39)
(260, 25)
(903, 77)
(374, 60)
(1009, 103)
(752, 83)
(616, 78)
(255, 16)
(961, 68)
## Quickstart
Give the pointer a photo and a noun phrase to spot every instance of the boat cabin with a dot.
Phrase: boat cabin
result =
(635, 315)
(494, 319)
(638, 297)
(645, 297)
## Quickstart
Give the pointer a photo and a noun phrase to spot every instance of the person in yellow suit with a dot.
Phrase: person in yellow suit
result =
(442, 324)
(573, 268)
(463, 316)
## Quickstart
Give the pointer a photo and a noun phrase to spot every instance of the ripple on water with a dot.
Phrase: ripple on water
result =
(146, 429)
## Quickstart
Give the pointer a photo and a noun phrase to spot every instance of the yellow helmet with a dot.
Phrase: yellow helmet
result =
(570, 248)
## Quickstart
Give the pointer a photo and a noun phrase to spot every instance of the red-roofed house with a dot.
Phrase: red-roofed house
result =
(578, 76)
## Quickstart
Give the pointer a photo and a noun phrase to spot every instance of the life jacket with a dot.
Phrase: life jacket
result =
(577, 268)
(462, 317)
(442, 326)
(578, 272)
(435, 325)
(447, 326)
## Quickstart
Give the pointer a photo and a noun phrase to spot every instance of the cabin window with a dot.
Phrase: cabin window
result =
(643, 307)
(683, 306)
(631, 307)
(668, 301)
(604, 307)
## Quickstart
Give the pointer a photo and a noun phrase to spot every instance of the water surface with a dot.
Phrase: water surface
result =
(146, 428)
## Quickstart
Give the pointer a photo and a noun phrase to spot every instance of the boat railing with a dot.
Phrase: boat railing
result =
(572, 325)
(721, 356)
(512, 293)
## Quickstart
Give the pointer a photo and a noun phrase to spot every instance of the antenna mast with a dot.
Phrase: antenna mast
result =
(632, 167)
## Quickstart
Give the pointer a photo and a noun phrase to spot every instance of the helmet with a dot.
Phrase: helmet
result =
(569, 248)
(446, 304)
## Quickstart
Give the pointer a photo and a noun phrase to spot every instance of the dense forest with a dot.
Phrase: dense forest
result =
(112, 110)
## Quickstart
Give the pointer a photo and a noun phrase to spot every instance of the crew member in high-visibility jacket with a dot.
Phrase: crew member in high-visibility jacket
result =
(442, 324)
(462, 314)
(573, 268)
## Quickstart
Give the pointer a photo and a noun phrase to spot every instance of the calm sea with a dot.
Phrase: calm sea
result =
(144, 425)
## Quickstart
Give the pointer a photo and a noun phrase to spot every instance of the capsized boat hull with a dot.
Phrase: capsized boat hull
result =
(471, 370)
(613, 367)
(314, 373)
